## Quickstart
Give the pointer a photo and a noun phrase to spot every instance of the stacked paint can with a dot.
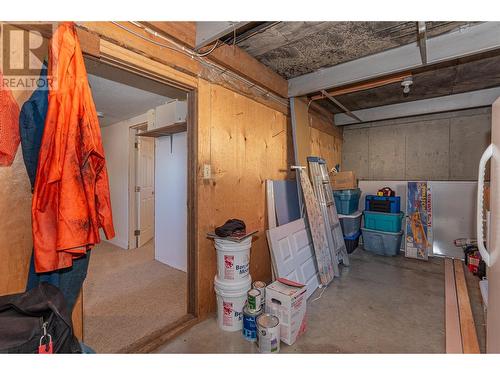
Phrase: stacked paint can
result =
(232, 282)
(252, 310)
(268, 327)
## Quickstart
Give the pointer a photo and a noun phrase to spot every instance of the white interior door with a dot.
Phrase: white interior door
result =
(292, 251)
(493, 273)
(145, 177)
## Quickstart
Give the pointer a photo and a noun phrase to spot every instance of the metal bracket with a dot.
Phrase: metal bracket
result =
(422, 41)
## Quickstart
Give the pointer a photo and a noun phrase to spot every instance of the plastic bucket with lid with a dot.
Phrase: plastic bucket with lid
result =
(233, 259)
(231, 298)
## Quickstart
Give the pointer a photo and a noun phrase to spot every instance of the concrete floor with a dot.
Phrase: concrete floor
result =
(128, 295)
(379, 305)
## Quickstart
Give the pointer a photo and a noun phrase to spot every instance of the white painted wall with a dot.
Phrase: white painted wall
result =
(116, 149)
(171, 201)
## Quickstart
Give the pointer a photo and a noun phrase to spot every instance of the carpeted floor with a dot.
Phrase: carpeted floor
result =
(127, 295)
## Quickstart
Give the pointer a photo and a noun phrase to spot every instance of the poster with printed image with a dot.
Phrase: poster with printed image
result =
(419, 222)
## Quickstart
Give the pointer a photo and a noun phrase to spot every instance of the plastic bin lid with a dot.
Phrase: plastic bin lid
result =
(382, 232)
(347, 191)
(351, 216)
(400, 213)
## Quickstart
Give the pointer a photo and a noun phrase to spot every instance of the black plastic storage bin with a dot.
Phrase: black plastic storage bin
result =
(352, 242)
(382, 204)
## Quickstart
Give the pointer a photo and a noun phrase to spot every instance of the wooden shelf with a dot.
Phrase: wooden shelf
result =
(177, 127)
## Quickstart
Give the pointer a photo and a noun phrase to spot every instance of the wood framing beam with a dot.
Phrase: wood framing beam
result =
(237, 60)
(365, 85)
(209, 31)
(89, 43)
(463, 42)
(231, 57)
(470, 343)
(452, 318)
(182, 32)
(139, 43)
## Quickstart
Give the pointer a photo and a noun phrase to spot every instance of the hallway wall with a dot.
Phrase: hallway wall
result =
(115, 139)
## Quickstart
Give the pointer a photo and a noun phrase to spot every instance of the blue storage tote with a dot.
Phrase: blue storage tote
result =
(347, 201)
(383, 221)
(351, 224)
(352, 242)
(383, 204)
(382, 243)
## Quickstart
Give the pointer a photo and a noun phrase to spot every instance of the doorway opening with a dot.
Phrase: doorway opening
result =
(139, 283)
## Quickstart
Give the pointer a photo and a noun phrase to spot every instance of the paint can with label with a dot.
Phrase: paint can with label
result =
(250, 324)
(268, 333)
(261, 287)
(254, 300)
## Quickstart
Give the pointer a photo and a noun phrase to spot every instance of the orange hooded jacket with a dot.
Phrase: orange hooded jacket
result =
(71, 195)
(9, 125)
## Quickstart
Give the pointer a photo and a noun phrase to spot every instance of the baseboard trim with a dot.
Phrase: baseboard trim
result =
(160, 337)
(118, 242)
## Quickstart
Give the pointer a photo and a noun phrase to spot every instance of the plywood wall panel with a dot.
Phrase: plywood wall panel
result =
(245, 143)
(15, 226)
(325, 140)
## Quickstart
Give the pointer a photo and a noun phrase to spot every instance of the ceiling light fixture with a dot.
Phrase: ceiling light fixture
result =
(407, 82)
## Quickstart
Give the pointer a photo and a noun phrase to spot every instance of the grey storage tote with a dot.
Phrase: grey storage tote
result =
(382, 243)
(351, 224)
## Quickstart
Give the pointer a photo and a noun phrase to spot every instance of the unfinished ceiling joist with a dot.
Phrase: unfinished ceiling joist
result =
(208, 32)
(471, 99)
(399, 77)
(341, 106)
(459, 43)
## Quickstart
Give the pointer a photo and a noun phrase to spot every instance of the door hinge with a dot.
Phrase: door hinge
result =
(137, 189)
(136, 144)
(137, 232)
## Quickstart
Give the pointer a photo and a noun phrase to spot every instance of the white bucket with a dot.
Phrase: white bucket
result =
(233, 259)
(231, 299)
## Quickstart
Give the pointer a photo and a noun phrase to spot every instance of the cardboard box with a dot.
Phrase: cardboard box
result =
(344, 180)
(287, 300)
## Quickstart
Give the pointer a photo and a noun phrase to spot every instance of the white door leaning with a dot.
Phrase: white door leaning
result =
(292, 251)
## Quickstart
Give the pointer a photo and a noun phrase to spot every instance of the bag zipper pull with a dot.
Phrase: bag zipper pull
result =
(47, 347)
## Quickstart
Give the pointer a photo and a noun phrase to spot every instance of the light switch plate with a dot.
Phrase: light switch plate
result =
(207, 171)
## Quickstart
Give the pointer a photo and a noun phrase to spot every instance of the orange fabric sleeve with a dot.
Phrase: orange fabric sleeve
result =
(9, 126)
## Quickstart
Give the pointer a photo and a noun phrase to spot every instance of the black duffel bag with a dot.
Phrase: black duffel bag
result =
(36, 321)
